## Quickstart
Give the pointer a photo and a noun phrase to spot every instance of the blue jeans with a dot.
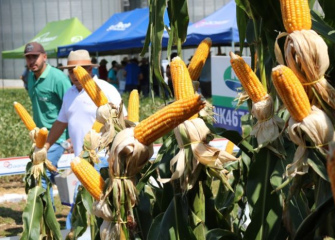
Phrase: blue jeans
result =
(54, 154)
(103, 163)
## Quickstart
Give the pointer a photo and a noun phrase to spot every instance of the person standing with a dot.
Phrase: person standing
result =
(120, 76)
(133, 75)
(145, 81)
(95, 70)
(78, 111)
(46, 88)
(112, 75)
(103, 72)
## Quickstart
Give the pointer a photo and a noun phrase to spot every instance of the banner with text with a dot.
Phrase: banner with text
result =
(225, 88)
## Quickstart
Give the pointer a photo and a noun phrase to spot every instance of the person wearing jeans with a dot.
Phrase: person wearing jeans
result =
(46, 86)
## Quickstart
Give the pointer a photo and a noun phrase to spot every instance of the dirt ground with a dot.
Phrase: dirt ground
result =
(11, 212)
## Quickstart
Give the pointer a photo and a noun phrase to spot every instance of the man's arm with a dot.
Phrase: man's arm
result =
(55, 132)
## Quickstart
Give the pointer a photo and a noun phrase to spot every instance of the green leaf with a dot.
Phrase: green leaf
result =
(79, 215)
(33, 214)
(317, 165)
(220, 234)
(315, 219)
(154, 230)
(50, 217)
(266, 208)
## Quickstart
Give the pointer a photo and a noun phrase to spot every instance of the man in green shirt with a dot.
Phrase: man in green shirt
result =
(46, 88)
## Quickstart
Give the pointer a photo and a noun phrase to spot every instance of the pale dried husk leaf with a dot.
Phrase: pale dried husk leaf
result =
(317, 129)
(91, 143)
(110, 230)
(128, 149)
(33, 134)
(105, 115)
(39, 157)
(101, 209)
(268, 127)
(187, 170)
(207, 112)
(306, 53)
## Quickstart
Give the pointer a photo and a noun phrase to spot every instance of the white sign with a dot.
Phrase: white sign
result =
(17, 165)
(225, 88)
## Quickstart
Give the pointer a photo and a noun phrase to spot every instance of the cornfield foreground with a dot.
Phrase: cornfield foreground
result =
(279, 185)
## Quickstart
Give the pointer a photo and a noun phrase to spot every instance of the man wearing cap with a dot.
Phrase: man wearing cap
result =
(78, 111)
(46, 87)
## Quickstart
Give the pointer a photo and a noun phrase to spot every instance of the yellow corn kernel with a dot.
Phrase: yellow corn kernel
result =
(296, 15)
(134, 106)
(41, 137)
(181, 80)
(248, 78)
(230, 147)
(88, 176)
(199, 58)
(25, 116)
(291, 92)
(90, 86)
(166, 119)
(97, 126)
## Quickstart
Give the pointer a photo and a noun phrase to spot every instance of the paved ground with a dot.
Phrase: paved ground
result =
(11, 83)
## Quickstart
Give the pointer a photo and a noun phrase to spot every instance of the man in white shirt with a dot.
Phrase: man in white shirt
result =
(78, 111)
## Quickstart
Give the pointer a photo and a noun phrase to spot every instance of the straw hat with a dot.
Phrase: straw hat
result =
(78, 58)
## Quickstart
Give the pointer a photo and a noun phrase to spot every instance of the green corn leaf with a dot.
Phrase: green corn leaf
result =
(33, 214)
(266, 207)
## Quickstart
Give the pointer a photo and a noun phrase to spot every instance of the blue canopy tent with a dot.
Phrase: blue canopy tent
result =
(122, 33)
(220, 26)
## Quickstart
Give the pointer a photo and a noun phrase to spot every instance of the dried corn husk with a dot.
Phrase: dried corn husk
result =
(127, 158)
(39, 157)
(268, 127)
(33, 134)
(91, 144)
(306, 53)
(112, 118)
(101, 209)
(317, 129)
(109, 230)
(188, 169)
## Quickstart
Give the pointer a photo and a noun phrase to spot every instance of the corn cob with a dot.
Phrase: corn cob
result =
(199, 58)
(181, 80)
(166, 119)
(296, 15)
(41, 137)
(90, 86)
(25, 116)
(248, 78)
(291, 92)
(88, 176)
(97, 126)
(134, 106)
